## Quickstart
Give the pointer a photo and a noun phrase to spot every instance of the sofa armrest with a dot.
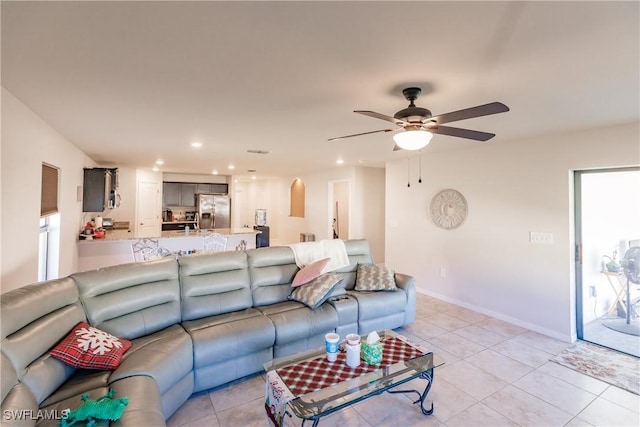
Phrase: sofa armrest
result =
(408, 285)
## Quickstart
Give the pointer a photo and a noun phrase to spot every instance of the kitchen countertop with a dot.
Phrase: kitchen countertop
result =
(112, 235)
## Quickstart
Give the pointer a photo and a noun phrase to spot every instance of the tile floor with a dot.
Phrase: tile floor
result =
(496, 374)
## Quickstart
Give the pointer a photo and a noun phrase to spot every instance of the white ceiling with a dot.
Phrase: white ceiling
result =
(132, 82)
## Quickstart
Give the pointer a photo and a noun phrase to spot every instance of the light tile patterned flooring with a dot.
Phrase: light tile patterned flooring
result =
(496, 374)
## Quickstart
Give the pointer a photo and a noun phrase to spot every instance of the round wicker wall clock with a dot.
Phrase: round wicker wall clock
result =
(448, 209)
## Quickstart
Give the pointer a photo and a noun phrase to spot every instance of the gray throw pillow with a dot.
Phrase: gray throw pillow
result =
(315, 292)
(375, 278)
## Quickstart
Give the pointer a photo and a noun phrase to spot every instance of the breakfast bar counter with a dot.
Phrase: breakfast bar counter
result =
(121, 246)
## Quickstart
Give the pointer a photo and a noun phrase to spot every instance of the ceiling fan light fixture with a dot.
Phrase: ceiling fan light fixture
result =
(413, 139)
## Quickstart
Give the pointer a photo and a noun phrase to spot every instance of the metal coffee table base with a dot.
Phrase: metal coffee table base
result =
(427, 375)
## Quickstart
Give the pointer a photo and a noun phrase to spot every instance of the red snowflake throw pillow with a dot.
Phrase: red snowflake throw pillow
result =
(90, 348)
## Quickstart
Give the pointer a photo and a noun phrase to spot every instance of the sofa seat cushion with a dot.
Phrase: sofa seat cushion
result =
(166, 356)
(373, 305)
(229, 336)
(18, 400)
(294, 321)
(145, 405)
(90, 348)
(80, 382)
(72, 402)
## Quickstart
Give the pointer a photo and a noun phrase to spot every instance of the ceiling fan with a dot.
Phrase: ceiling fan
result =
(418, 125)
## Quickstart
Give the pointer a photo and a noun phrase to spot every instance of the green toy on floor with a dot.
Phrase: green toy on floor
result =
(102, 408)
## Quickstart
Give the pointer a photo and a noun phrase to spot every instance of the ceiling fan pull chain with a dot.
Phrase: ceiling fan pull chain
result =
(408, 172)
(420, 167)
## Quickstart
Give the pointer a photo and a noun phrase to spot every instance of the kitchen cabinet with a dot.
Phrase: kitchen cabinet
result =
(178, 194)
(99, 189)
(212, 189)
(171, 193)
(219, 188)
(188, 194)
(204, 189)
(183, 194)
(178, 226)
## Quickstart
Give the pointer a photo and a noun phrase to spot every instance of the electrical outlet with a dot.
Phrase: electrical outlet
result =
(592, 291)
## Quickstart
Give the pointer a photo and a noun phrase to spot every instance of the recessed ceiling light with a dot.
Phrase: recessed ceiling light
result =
(339, 161)
(196, 144)
(231, 167)
(159, 162)
(155, 169)
(214, 172)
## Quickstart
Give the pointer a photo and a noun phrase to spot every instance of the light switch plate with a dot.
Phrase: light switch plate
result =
(540, 238)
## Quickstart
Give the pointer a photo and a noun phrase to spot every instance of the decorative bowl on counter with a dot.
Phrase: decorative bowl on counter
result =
(99, 234)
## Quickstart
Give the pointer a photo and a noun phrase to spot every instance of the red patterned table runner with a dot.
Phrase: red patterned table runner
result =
(319, 373)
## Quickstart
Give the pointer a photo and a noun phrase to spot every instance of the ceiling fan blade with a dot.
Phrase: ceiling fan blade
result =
(469, 113)
(359, 134)
(396, 147)
(462, 133)
(382, 117)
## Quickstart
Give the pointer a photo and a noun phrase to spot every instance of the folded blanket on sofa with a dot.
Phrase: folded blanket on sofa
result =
(307, 252)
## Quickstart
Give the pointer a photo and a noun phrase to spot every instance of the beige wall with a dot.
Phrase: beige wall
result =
(512, 188)
(27, 142)
(366, 211)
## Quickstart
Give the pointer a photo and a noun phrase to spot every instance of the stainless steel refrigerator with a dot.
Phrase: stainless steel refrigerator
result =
(214, 211)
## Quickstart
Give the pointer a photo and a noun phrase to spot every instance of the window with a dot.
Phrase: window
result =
(49, 241)
(43, 249)
(49, 192)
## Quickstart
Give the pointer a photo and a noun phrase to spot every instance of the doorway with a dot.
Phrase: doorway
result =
(607, 207)
(148, 209)
(340, 200)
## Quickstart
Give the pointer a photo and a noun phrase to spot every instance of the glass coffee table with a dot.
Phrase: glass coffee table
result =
(310, 387)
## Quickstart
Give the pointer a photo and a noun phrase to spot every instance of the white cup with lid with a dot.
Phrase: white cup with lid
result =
(332, 343)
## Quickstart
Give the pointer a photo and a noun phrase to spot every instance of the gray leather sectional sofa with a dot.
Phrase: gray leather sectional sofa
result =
(195, 323)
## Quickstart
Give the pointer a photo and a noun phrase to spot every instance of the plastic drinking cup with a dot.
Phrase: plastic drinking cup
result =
(332, 342)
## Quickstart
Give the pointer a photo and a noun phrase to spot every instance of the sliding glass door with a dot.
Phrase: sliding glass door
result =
(607, 207)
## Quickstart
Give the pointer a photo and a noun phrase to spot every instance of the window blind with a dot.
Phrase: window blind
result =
(49, 195)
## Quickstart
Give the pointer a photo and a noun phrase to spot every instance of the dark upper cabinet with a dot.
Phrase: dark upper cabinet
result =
(204, 189)
(212, 189)
(99, 189)
(184, 193)
(171, 193)
(188, 193)
(219, 188)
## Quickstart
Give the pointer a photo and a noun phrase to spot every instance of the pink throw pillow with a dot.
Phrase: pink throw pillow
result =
(309, 272)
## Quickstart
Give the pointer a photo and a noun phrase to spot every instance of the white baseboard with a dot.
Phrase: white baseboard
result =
(530, 326)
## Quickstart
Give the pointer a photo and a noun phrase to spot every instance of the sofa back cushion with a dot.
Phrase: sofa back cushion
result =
(272, 271)
(214, 283)
(34, 319)
(132, 300)
(359, 252)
